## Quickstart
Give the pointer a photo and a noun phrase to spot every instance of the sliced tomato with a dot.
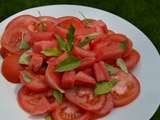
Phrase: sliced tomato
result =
(129, 48)
(88, 71)
(42, 45)
(126, 90)
(11, 39)
(84, 97)
(84, 79)
(11, 68)
(37, 82)
(48, 18)
(81, 53)
(25, 21)
(4, 52)
(132, 59)
(101, 72)
(42, 36)
(53, 78)
(68, 79)
(87, 62)
(32, 102)
(85, 31)
(68, 111)
(107, 107)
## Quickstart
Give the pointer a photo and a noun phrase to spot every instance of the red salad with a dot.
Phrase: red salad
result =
(69, 69)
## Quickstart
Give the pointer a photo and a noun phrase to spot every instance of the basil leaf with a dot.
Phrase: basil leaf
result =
(24, 44)
(68, 64)
(104, 87)
(87, 39)
(26, 77)
(70, 36)
(25, 58)
(63, 46)
(58, 96)
(111, 70)
(51, 52)
(48, 117)
(123, 45)
(41, 26)
(120, 62)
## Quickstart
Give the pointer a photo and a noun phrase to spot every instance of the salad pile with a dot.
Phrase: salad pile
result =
(69, 69)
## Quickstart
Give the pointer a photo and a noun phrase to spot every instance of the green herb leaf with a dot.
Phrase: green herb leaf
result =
(25, 58)
(63, 46)
(104, 87)
(48, 117)
(87, 39)
(86, 20)
(58, 96)
(112, 70)
(24, 44)
(68, 64)
(120, 62)
(26, 77)
(123, 45)
(41, 26)
(70, 36)
(51, 52)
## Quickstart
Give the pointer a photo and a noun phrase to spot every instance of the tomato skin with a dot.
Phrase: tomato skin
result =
(12, 75)
(38, 83)
(84, 79)
(4, 52)
(132, 59)
(101, 72)
(62, 113)
(106, 109)
(11, 39)
(68, 79)
(33, 103)
(84, 98)
(130, 93)
(87, 62)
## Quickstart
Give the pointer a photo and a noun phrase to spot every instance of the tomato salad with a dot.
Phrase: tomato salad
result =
(69, 69)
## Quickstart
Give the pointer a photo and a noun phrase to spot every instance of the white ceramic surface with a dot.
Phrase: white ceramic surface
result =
(147, 71)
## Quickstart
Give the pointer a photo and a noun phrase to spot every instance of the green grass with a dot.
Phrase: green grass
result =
(145, 14)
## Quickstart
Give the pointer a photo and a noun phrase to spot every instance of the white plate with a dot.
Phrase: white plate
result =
(147, 71)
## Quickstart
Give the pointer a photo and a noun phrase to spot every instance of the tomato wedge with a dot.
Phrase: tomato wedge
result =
(33, 103)
(4, 52)
(11, 68)
(37, 82)
(126, 90)
(68, 111)
(84, 98)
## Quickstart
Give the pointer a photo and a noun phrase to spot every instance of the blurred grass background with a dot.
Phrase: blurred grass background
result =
(145, 14)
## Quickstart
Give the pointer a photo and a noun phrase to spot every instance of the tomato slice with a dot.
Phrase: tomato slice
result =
(68, 79)
(126, 90)
(84, 79)
(48, 18)
(132, 59)
(68, 111)
(25, 21)
(32, 102)
(84, 97)
(37, 83)
(41, 36)
(101, 72)
(106, 109)
(11, 38)
(11, 68)
(87, 62)
(4, 52)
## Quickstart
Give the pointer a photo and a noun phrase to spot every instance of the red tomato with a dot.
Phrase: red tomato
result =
(68, 79)
(25, 21)
(12, 37)
(66, 21)
(84, 97)
(126, 90)
(85, 31)
(53, 78)
(4, 52)
(129, 48)
(48, 18)
(84, 79)
(11, 68)
(87, 62)
(88, 71)
(33, 103)
(132, 59)
(101, 72)
(68, 111)
(107, 107)
(37, 83)
(81, 53)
